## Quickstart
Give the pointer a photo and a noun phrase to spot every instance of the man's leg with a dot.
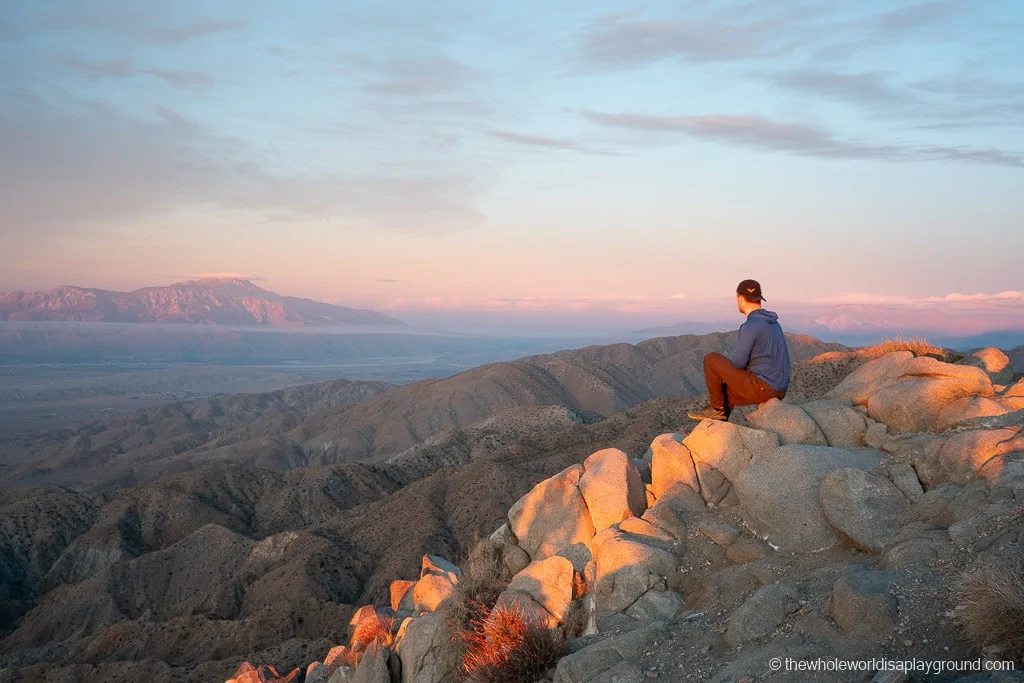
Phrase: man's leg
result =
(714, 369)
(746, 388)
(729, 386)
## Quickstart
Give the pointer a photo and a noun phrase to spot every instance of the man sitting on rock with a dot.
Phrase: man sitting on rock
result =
(759, 367)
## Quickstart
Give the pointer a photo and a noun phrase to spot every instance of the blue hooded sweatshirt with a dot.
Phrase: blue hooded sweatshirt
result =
(762, 349)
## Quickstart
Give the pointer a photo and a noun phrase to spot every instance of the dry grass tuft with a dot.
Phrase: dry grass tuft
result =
(576, 620)
(919, 346)
(385, 635)
(504, 646)
(990, 608)
(579, 585)
(348, 657)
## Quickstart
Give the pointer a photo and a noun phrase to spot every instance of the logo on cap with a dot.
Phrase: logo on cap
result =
(750, 290)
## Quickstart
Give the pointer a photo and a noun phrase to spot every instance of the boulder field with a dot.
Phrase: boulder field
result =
(836, 528)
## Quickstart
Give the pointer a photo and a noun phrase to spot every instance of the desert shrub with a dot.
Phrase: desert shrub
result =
(919, 346)
(504, 646)
(385, 635)
(484, 577)
(990, 608)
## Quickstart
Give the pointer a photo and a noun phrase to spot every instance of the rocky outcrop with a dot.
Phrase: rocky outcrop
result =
(842, 426)
(779, 492)
(982, 452)
(966, 409)
(589, 663)
(430, 591)
(552, 516)
(419, 648)
(402, 595)
(612, 488)
(373, 666)
(911, 394)
(436, 584)
(549, 584)
(668, 518)
(762, 613)
(627, 568)
(792, 424)
(671, 463)
(720, 452)
(867, 509)
(862, 601)
(994, 362)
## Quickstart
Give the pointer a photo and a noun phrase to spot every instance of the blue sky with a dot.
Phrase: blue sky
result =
(586, 156)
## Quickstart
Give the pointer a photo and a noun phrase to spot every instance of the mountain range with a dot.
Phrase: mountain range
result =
(217, 301)
(171, 543)
(270, 432)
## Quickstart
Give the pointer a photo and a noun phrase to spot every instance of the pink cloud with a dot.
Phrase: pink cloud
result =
(951, 315)
(620, 303)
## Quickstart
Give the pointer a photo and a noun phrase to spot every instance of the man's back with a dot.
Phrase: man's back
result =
(762, 349)
(759, 368)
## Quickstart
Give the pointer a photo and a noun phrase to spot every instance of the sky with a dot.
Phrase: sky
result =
(565, 161)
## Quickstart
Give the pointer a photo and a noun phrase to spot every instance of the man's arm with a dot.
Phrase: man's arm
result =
(741, 356)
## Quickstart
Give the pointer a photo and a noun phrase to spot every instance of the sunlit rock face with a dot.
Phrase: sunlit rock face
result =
(993, 361)
(916, 394)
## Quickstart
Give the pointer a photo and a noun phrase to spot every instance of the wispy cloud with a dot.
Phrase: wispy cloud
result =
(622, 41)
(753, 31)
(910, 18)
(866, 87)
(110, 167)
(425, 74)
(144, 23)
(125, 68)
(999, 298)
(545, 142)
(204, 26)
(957, 101)
(223, 276)
(760, 134)
(1009, 295)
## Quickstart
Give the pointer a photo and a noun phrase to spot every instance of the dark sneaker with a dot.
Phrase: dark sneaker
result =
(709, 413)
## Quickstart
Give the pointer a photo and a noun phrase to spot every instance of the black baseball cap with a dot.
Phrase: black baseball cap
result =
(750, 290)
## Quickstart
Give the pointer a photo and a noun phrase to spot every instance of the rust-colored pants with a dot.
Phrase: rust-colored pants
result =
(729, 386)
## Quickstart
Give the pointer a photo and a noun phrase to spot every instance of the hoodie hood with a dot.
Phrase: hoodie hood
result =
(769, 317)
